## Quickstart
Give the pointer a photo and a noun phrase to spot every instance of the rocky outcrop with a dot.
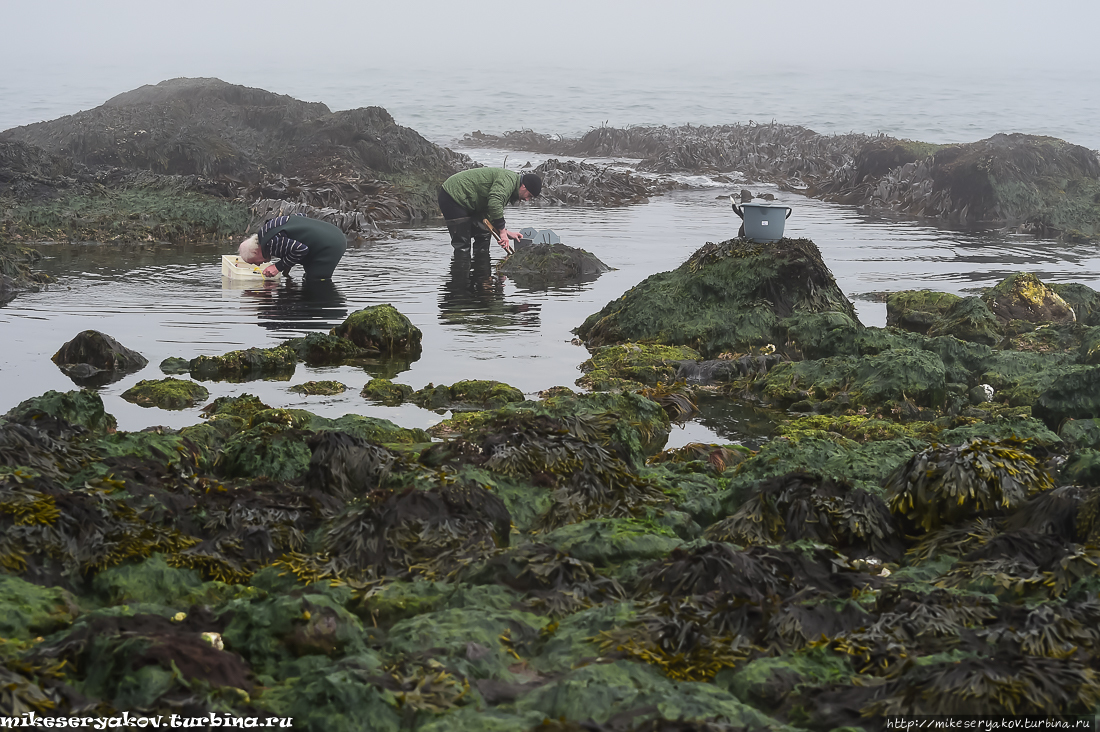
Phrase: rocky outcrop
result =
(230, 142)
(95, 359)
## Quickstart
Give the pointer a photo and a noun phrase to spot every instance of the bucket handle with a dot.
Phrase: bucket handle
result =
(741, 213)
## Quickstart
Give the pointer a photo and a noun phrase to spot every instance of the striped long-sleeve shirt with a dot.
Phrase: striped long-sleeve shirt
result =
(289, 251)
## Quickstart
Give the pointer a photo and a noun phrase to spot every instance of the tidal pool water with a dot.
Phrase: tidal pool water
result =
(163, 300)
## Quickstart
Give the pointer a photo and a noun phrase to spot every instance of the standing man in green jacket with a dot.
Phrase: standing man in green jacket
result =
(468, 197)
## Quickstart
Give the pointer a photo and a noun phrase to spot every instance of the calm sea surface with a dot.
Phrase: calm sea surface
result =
(171, 301)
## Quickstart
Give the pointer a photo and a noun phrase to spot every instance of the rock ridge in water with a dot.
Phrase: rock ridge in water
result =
(1032, 183)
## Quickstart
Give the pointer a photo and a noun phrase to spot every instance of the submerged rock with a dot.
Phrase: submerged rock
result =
(467, 395)
(386, 392)
(323, 388)
(381, 328)
(252, 363)
(166, 393)
(530, 265)
(325, 349)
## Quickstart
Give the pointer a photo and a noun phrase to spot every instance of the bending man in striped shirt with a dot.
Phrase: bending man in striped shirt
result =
(314, 244)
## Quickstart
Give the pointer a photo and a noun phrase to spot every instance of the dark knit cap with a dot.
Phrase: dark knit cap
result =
(532, 183)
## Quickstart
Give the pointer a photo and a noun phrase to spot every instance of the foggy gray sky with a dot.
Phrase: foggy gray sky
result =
(206, 37)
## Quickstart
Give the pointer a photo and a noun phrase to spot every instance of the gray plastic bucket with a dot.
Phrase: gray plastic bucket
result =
(763, 222)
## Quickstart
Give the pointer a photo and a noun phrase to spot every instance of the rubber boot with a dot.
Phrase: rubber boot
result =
(482, 237)
(462, 231)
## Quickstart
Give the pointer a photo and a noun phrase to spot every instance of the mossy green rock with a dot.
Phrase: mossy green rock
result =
(467, 395)
(167, 393)
(381, 328)
(726, 297)
(319, 388)
(84, 408)
(251, 363)
(323, 349)
(372, 429)
(175, 365)
(917, 310)
(551, 262)
(386, 392)
(881, 382)
(646, 364)
(27, 610)
(969, 319)
(1023, 296)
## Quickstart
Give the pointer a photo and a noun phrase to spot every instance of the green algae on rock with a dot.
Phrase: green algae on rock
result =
(252, 363)
(167, 393)
(386, 392)
(646, 364)
(727, 297)
(83, 408)
(550, 262)
(324, 388)
(917, 310)
(1024, 297)
(383, 328)
(325, 349)
(473, 394)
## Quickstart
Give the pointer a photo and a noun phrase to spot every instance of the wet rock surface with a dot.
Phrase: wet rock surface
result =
(95, 359)
(532, 264)
(166, 393)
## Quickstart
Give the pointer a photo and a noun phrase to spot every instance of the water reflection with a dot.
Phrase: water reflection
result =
(294, 305)
(474, 295)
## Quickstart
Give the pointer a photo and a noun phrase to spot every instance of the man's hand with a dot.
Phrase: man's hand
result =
(271, 270)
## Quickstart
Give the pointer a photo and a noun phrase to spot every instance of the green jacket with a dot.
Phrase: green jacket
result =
(484, 192)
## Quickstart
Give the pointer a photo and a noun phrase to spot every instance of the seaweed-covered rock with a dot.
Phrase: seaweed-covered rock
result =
(968, 319)
(96, 359)
(529, 265)
(726, 297)
(252, 363)
(231, 133)
(386, 392)
(323, 388)
(1024, 297)
(467, 395)
(917, 310)
(803, 505)
(383, 328)
(944, 485)
(894, 380)
(324, 349)
(167, 393)
(644, 363)
(175, 365)
(83, 408)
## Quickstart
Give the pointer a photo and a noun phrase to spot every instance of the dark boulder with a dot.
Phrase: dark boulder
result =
(94, 359)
